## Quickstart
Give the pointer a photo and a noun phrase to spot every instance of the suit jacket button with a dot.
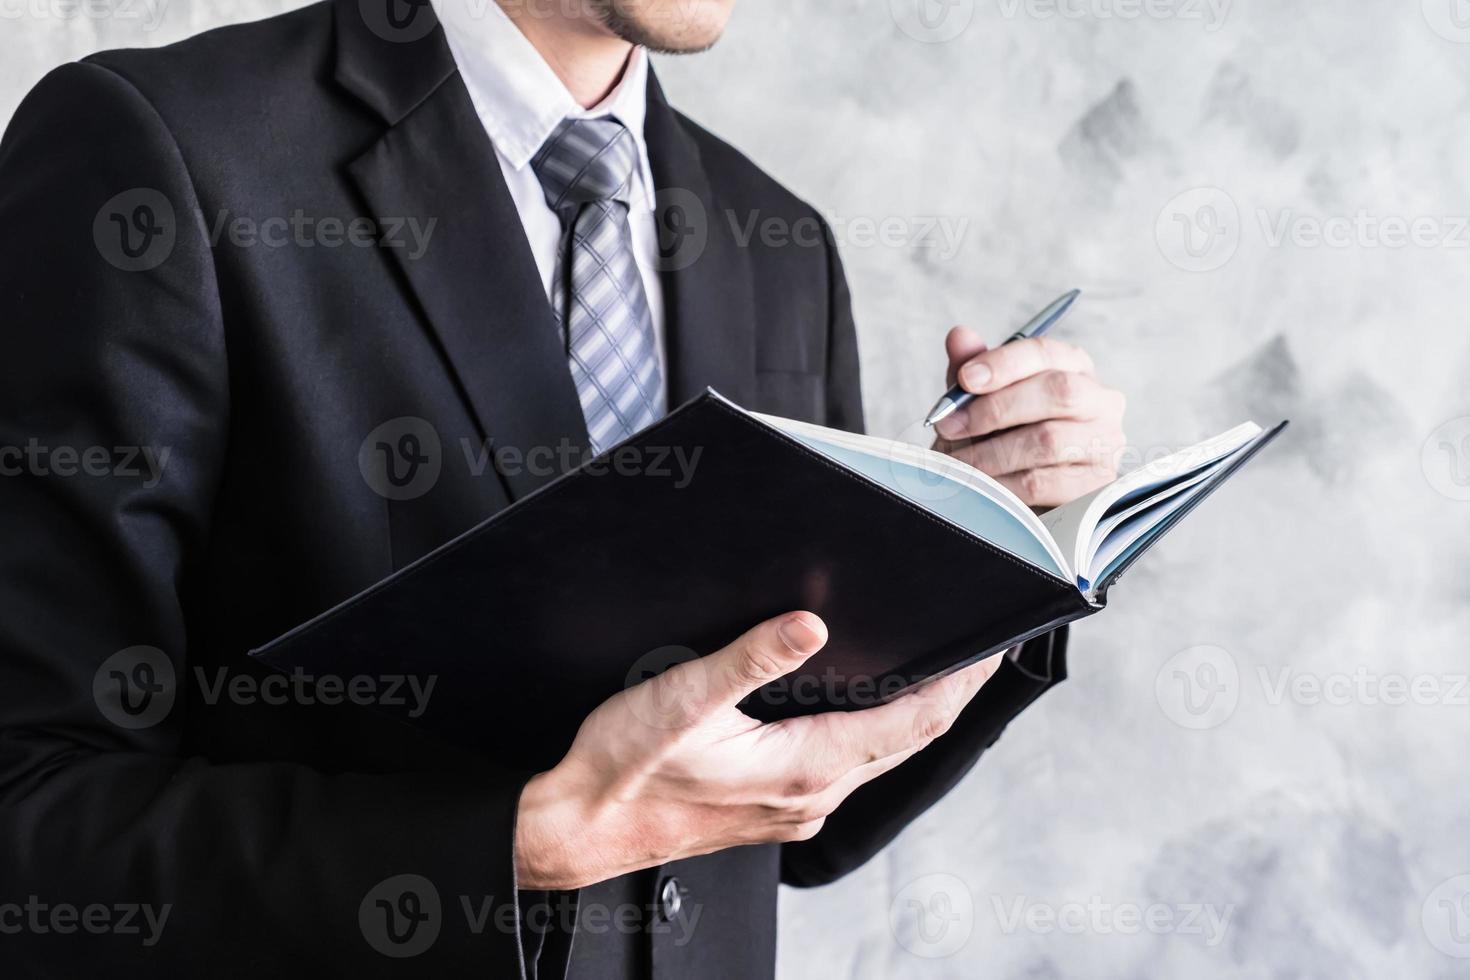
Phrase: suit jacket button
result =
(670, 899)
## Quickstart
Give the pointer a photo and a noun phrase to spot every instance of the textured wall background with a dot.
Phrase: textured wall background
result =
(1257, 768)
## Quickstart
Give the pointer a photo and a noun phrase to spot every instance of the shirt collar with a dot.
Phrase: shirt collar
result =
(518, 97)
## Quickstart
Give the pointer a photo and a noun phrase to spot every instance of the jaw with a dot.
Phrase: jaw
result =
(666, 26)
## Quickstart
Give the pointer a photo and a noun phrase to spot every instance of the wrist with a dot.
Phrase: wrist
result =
(554, 828)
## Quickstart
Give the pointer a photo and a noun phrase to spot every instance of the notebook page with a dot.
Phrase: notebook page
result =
(942, 485)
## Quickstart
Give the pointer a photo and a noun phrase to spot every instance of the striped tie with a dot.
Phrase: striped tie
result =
(586, 169)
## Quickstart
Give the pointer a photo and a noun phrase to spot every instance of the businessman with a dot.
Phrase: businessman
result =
(242, 256)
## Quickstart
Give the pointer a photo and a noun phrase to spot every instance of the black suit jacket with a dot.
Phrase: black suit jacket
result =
(141, 315)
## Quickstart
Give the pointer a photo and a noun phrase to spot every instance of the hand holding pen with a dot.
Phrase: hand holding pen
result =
(957, 397)
(1031, 413)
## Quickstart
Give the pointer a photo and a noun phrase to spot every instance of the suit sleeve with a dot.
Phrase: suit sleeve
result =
(873, 815)
(112, 339)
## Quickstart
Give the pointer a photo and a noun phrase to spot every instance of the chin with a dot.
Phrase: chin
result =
(668, 26)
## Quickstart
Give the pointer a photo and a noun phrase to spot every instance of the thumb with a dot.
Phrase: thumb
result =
(961, 344)
(774, 648)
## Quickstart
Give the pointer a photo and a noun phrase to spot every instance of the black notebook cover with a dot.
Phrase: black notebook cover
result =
(600, 579)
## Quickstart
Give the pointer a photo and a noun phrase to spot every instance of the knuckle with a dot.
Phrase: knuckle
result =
(1049, 439)
(758, 665)
(1052, 350)
(805, 830)
(934, 724)
(1035, 485)
(1062, 388)
(808, 810)
(807, 782)
(984, 412)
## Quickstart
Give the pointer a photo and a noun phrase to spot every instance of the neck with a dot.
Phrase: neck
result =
(587, 57)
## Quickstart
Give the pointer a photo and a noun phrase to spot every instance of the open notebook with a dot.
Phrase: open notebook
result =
(918, 564)
(1085, 541)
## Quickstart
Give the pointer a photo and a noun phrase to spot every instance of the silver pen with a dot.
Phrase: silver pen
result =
(957, 397)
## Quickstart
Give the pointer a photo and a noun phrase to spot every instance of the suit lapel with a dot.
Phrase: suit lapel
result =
(477, 282)
(706, 273)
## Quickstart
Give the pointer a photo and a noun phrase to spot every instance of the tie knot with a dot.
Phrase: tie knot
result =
(586, 160)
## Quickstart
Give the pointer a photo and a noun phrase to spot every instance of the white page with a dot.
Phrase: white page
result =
(1074, 525)
(943, 485)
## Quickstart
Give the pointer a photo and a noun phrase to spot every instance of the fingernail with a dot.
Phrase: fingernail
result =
(974, 376)
(798, 633)
(951, 427)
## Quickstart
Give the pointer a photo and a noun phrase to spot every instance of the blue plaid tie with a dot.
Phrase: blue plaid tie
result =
(586, 168)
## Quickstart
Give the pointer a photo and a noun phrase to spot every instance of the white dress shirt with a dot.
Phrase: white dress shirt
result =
(519, 101)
